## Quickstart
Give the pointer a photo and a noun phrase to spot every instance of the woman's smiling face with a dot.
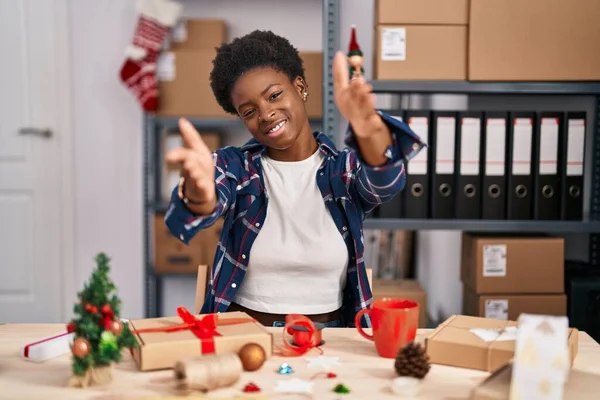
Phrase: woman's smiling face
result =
(271, 106)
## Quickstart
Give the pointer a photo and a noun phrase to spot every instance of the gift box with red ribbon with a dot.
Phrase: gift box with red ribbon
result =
(164, 341)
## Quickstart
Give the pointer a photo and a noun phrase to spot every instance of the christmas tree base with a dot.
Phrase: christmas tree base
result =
(97, 376)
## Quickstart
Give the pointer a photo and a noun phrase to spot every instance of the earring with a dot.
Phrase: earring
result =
(305, 96)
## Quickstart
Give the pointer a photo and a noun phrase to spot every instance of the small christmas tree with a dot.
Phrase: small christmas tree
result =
(99, 332)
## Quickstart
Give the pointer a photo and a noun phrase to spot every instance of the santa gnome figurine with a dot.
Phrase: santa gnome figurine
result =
(138, 72)
(355, 56)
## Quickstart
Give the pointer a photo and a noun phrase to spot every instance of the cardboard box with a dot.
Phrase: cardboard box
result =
(404, 288)
(513, 264)
(172, 256)
(453, 344)
(436, 12)
(421, 52)
(184, 85)
(161, 350)
(510, 306)
(580, 385)
(313, 72)
(199, 34)
(534, 40)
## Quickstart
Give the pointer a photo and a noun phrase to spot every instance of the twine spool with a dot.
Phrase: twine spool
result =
(207, 373)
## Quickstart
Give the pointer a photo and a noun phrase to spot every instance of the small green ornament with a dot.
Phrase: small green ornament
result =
(341, 389)
(108, 341)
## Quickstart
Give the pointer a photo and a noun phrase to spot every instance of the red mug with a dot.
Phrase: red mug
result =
(395, 322)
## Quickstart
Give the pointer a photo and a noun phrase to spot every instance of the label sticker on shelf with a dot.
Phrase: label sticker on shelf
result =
(165, 66)
(494, 260)
(179, 32)
(393, 44)
(496, 309)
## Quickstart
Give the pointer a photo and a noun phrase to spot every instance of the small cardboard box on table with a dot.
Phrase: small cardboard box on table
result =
(164, 341)
(479, 343)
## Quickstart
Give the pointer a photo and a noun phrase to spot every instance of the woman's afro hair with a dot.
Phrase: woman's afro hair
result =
(254, 50)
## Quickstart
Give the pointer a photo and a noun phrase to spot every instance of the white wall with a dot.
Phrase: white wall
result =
(108, 141)
(107, 126)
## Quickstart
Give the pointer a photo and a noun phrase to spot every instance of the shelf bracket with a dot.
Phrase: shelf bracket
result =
(594, 253)
(331, 40)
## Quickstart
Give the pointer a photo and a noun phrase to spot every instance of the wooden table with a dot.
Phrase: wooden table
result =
(367, 375)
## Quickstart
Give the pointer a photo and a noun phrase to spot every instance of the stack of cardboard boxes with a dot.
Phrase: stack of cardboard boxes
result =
(420, 39)
(504, 276)
(184, 69)
(483, 40)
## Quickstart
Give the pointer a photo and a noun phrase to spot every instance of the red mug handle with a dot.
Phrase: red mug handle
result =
(357, 323)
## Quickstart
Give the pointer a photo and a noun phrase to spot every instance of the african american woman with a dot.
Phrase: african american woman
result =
(293, 205)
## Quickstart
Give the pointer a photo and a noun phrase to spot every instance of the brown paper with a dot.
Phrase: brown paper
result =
(162, 350)
(452, 344)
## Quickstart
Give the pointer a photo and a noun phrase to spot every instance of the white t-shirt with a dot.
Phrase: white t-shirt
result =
(298, 262)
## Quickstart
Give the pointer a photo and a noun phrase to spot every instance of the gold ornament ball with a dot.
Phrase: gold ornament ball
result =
(253, 356)
(116, 327)
(80, 347)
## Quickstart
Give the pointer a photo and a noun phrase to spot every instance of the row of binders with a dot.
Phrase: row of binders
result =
(493, 165)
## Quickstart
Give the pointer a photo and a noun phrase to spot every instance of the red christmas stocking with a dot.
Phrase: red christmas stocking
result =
(138, 72)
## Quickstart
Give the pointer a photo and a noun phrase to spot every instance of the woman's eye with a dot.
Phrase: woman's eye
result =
(274, 96)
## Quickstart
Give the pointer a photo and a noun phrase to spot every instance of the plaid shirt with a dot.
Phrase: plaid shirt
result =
(350, 188)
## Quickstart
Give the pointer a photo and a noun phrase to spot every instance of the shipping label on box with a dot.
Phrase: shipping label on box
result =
(478, 343)
(164, 341)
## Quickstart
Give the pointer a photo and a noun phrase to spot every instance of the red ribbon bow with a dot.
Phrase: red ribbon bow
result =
(204, 328)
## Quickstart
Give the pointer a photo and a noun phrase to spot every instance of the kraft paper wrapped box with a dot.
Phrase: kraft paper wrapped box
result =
(484, 344)
(164, 341)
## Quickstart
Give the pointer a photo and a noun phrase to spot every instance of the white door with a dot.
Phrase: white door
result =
(31, 275)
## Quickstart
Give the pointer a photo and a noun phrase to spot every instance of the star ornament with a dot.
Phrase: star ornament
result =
(294, 386)
(323, 362)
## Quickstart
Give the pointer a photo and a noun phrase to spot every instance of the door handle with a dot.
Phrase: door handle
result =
(36, 131)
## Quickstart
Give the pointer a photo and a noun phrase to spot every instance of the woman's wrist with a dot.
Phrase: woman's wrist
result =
(198, 207)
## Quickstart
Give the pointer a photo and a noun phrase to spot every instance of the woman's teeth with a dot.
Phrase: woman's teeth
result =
(277, 127)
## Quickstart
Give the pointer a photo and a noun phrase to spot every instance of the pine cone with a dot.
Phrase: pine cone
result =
(412, 360)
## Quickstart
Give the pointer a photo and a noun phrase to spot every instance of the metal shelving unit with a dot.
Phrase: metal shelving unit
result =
(481, 225)
(154, 125)
(591, 225)
(500, 88)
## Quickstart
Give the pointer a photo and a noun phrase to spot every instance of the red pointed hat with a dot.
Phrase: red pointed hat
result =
(353, 48)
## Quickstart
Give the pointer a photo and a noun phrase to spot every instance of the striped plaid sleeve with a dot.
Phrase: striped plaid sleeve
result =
(182, 223)
(376, 185)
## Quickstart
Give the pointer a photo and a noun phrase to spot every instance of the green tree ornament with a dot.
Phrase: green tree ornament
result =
(100, 335)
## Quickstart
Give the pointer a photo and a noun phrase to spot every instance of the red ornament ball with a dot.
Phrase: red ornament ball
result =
(106, 309)
(81, 347)
(88, 307)
(70, 327)
(116, 327)
(94, 310)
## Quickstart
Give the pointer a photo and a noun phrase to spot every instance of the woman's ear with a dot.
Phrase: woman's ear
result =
(301, 86)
